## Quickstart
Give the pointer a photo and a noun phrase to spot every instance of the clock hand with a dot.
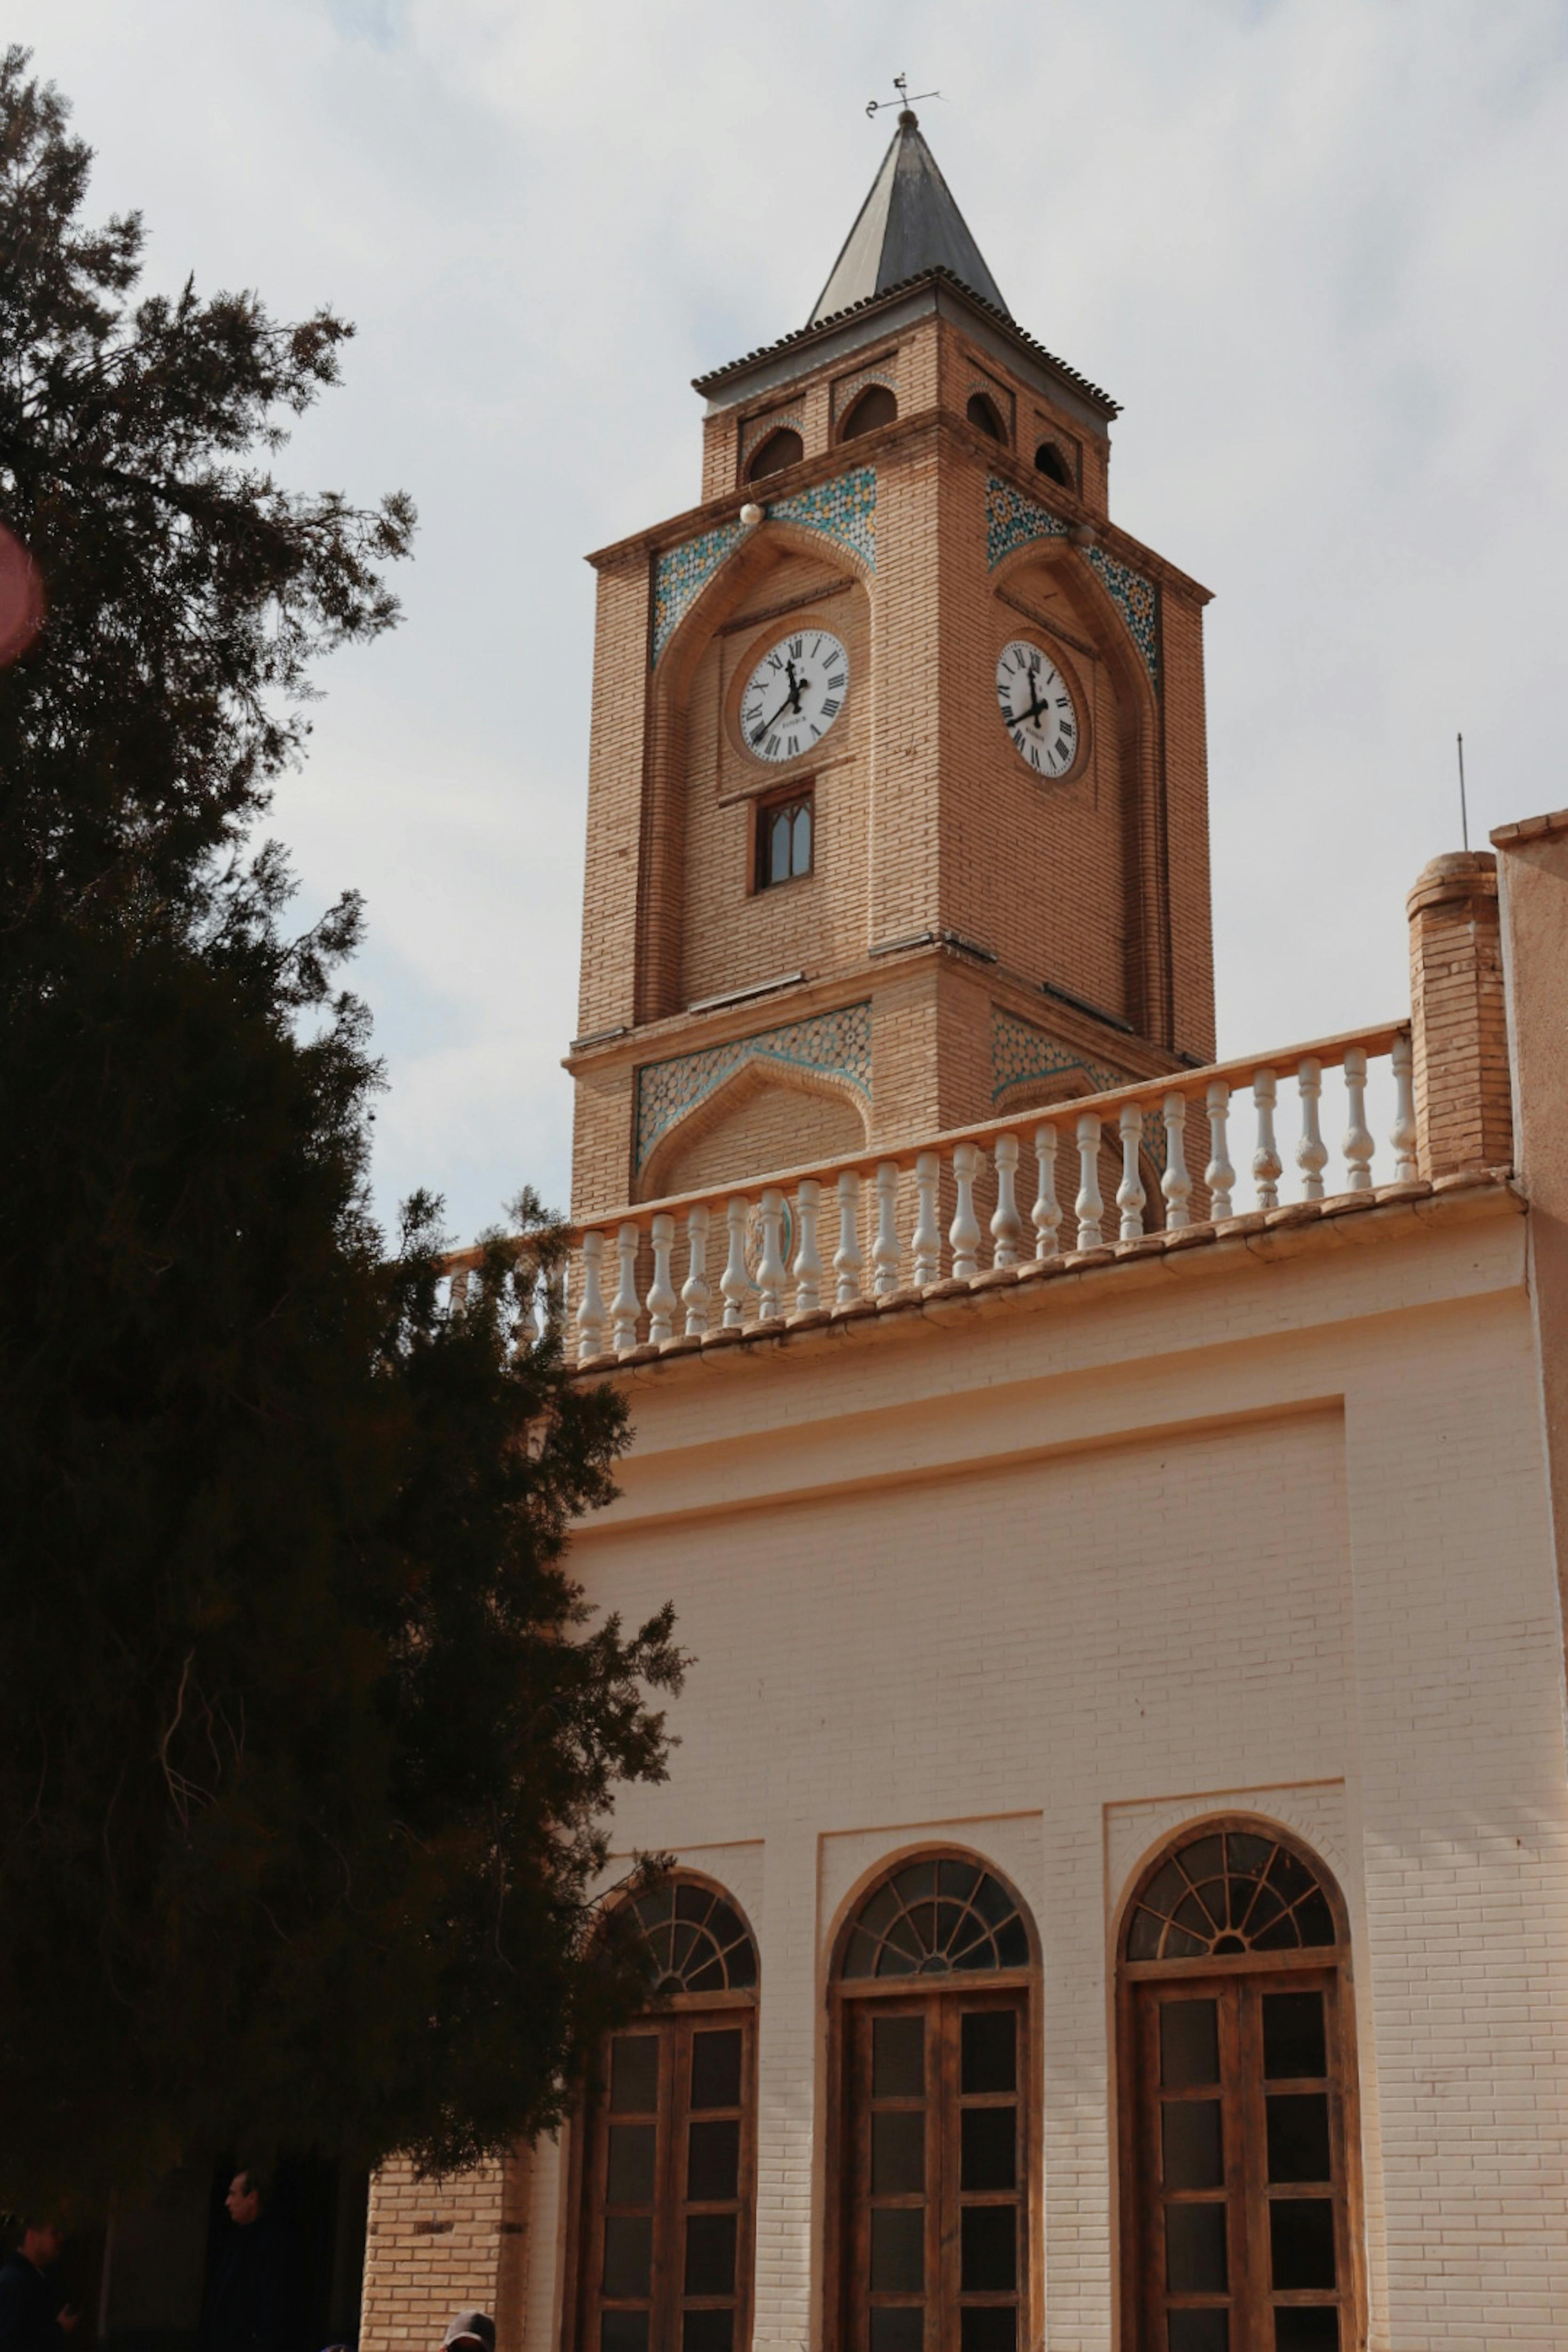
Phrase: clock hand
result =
(791, 702)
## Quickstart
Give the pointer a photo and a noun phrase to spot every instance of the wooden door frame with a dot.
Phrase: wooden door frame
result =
(1127, 1975)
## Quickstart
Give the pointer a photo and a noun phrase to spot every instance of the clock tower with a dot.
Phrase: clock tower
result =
(897, 803)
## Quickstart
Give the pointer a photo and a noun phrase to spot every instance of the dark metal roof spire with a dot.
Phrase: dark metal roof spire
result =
(907, 225)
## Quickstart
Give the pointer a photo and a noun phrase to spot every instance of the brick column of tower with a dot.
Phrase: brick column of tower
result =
(1463, 1112)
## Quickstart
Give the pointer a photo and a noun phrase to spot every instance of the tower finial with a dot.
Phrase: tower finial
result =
(907, 118)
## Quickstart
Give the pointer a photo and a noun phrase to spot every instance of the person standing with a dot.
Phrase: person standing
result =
(32, 2317)
(256, 2304)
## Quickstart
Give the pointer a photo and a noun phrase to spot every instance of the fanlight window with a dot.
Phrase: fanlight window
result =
(699, 1942)
(1231, 1891)
(1050, 461)
(981, 413)
(875, 407)
(933, 1918)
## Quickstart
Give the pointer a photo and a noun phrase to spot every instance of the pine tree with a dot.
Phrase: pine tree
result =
(306, 1739)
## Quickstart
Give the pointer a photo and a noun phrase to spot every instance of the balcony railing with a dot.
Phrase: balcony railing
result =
(804, 1242)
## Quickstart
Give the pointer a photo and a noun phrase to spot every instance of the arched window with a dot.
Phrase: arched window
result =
(933, 1991)
(666, 2156)
(784, 447)
(1050, 461)
(981, 414)
(1238, 2100)
(876, 406)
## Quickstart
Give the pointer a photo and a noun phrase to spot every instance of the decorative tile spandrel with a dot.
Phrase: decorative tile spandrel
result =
(843, 511)
(837, 1045)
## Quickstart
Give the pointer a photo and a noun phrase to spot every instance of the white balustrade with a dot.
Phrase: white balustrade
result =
(1219, 1176)
(734, 1282)
(591, 1306)
(1312, 1152)
(770, 1267)
(884, 1248)
(808, 1267)
(623, 1308)
(1006, 1222)
(763, 1293)
(925, 1242)
(849, 1265)
(1089, 1205)
(1046, 1214)
(1358, 1146)
(696, 1296)
(964, 1232)
(662, 1299)
(1266, 1162)
(1131, 1197)
(1175, 1183)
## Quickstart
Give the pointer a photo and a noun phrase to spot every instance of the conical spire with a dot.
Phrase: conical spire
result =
(907, 225)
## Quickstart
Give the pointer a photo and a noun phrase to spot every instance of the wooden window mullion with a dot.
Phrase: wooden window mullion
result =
(942, 2216)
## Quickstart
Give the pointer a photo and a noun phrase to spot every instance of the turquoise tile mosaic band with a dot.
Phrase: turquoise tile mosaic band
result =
(836, 1043)
(843, 511)
(1013, 521)
(1138, 602)
(1019, 1053)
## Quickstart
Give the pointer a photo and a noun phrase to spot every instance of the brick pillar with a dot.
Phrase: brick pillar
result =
(434, 2247)
(1464, 1113)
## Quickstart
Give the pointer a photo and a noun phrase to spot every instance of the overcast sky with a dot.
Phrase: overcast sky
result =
(1314, 248)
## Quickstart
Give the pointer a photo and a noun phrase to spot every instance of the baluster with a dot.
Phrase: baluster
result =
(770, 1266)
(1046, 1214)
(1176, 1183)
(525, 1329)
(662, 1299)
(1402, 1135)
(1266, 1162)
(848, 1264)
(1359, 1146)
(734, 1281)
(964, 1232)
(1219, 1176)
(591, 1308)
(1090, 1208)
(457, 1291)
(808, 1267)
(1006, 1225)
(927, 1239)
(623, 1308)
(696, 1293)
(884, 1248)
(1130, 1193)
(1312, 1152)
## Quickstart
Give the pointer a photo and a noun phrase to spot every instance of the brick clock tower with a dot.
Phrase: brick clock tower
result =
(897, 806)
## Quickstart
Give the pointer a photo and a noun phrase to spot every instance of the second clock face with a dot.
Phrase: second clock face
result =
(794, 695)
(1037, 708)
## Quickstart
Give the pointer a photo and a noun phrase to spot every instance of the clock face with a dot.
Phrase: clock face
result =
(1037, 708)
(794, 695)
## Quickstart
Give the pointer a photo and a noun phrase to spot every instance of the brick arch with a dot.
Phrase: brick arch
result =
(763, 1116)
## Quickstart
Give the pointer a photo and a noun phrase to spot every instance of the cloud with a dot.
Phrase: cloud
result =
(1313, 247)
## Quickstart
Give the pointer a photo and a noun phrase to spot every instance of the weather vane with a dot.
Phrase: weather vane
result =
(901, 84)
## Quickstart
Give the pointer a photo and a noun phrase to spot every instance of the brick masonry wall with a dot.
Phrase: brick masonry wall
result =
(1464, 1113)
(927, 819)
(434, 2248)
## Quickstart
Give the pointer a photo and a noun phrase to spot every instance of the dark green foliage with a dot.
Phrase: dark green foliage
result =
(305, 1738)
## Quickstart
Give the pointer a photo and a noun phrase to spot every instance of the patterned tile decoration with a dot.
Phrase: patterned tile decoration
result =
(1019, 1053)
(1138, 602)
(843, 509)
(1013, 521)
(772, 420)
(839, 1044)
(848, 391)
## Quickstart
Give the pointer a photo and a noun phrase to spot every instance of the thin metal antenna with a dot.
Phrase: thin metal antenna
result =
(904, 101)
(1464, 812)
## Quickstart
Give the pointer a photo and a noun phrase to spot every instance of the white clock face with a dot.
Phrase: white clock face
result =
(1037, 708)
(794, 695)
